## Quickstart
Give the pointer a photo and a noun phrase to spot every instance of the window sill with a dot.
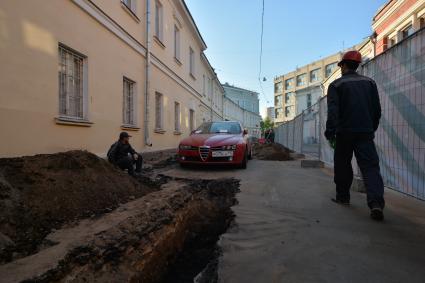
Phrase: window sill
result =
(177, 133)
(192, 76)
(130, 128)
(178, 61)
(159, 131)
(159, 41)
(130, 12)
(73, 122)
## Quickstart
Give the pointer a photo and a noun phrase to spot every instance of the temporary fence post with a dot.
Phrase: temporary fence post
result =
(302, 132)
(320, 129)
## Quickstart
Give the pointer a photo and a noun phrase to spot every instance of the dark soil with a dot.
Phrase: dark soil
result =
(273, 151)
(43, 192)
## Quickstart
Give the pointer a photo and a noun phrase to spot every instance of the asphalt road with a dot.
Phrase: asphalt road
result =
(288, 230)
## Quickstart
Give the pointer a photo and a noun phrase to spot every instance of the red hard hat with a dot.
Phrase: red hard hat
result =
(355, 56)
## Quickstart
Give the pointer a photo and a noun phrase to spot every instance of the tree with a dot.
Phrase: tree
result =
(266, 124)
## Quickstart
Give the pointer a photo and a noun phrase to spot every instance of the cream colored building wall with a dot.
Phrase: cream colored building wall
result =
(320, 64)
(115, 45)
(116, 10)
(29, 38)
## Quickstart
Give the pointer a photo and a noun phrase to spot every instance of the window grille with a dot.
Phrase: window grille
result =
(128, 102)
(71, 96)
(191, 120)
(158, 111)
(177, 117)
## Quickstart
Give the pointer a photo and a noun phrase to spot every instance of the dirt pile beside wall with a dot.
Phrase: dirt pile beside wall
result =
(152, 239)
(43, 192)
(274, 151)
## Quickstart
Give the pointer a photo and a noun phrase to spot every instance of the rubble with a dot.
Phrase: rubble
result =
(272, 151)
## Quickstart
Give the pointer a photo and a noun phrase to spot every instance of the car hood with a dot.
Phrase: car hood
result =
(212, 140)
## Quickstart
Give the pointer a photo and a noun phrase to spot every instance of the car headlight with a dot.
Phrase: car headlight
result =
(185, 147)
(229, 147)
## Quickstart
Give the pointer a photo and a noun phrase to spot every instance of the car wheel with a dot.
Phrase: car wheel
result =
(245, 160)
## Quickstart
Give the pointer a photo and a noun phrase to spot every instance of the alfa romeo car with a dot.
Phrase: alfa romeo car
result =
(223, 142)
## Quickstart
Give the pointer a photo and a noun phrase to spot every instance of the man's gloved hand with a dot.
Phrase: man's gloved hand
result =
(135, 156)
(330, 135)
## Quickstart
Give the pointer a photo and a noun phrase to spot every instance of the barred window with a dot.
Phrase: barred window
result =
(192, 61)
(158, 111)
(158, 20)
(71, 84)
(191, 120)
(177, 117)
(128, 102)
(176, 42)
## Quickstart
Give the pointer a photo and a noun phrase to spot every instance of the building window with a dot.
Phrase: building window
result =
(422, 22)
(309, 100)
(192, 61)
(176, 43)
(204, 85)
(278, 87)
(128, 102)
(408, 31)
(158, 111)
(278, 101)
(315, 75)
(288, 97)
(191, 120)
(301, 80)
(392, 41)
(71, 84)
(329, 70)
(176, 116)
(278, 112)
(289, 83)
(288, 111)
(158, 20)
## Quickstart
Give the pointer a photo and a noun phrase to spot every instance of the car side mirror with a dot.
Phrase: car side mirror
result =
(245, 132)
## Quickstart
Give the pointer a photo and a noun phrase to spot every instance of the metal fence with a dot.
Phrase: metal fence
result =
(400, 75)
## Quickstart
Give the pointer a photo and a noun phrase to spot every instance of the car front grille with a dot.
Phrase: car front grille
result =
(204, 152)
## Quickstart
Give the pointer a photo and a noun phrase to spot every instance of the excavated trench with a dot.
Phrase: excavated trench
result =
(168, 234)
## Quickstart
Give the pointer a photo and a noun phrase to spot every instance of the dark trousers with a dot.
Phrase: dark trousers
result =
(367, 158)
(128, 163)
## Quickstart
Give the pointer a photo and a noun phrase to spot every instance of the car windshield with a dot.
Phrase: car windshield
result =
(231, 128)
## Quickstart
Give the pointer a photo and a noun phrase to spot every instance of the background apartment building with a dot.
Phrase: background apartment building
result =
(300, 89)
(244, 106)
(80, 71)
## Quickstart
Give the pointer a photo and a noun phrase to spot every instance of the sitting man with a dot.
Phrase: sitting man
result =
(124, 156)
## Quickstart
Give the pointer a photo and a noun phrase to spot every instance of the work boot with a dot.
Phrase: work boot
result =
(377, 214)
(339, 201)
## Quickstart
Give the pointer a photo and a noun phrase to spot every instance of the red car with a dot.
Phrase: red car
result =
(222, 142)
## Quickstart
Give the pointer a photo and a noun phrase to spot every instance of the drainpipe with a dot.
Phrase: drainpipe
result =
(148, 72)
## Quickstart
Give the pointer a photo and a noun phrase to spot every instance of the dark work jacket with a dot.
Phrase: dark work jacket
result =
(353, 105)
(121, 150)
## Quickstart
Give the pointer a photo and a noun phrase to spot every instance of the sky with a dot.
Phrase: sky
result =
(295, 34)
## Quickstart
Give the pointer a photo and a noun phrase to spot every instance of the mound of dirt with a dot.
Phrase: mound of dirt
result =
(43, 192)
(273, 151)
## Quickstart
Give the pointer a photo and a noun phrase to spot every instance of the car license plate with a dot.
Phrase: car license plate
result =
(222, 153)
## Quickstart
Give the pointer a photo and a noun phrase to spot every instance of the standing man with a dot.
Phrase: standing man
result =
(354, 111)
(124, 156)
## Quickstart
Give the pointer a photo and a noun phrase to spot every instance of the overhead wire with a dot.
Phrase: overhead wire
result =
(261, 52)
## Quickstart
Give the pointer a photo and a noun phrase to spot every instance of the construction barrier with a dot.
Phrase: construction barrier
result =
(400, 75)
